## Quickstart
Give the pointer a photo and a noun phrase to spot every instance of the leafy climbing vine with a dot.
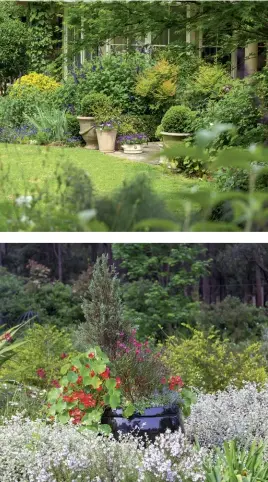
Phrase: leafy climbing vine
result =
(41, 29)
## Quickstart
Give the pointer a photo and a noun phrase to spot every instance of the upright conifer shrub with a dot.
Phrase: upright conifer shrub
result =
(103, 311)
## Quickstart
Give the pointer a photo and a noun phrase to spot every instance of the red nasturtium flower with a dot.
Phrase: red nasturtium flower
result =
(106, 373)
(118, 382)
(41, 373)
(64, 355)
(175, 382)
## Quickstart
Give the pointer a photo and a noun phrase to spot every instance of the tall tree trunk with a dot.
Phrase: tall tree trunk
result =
(2, 253)
(59, 262)
(259, 287)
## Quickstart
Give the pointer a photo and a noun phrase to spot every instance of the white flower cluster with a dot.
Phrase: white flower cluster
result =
(230, 414)
(32, 451)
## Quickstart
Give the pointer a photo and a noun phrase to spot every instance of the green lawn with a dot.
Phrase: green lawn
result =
(30, 166)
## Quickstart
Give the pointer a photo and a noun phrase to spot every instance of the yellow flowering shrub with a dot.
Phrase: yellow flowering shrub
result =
(158, 83)
(42, 82)
(206, 362)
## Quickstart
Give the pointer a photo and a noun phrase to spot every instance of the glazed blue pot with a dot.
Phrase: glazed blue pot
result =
(151, 423)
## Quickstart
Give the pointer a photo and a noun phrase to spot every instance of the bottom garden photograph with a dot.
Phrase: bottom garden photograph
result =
(133, 362)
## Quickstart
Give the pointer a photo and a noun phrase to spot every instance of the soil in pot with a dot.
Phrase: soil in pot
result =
(151, 423)
(88, 132)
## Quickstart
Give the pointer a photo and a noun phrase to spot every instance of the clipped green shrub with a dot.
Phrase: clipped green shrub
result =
(178, 118)
(94, 101)
(210, 364)
(39, 360)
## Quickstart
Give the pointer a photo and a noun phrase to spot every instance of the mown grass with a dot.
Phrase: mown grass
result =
(26, 167)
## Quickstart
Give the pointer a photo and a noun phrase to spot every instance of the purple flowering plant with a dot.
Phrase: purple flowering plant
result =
(107, 125)
(132, 139)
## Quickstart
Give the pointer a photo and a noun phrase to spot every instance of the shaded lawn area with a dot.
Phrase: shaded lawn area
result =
(25, 167)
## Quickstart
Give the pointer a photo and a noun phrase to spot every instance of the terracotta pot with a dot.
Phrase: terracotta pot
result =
(169, 138)
(88, 132)
(132, 148)
(151, 423)
(106, 140)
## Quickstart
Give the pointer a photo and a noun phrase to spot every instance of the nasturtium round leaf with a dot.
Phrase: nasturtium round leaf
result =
(114, 401)
(64, 417)
(87, 380)
(64, 381)
(110, 383)
(61, 406)
(129, 410)
(54, 394)
(105, 428)
(95, 382)
(72, 377)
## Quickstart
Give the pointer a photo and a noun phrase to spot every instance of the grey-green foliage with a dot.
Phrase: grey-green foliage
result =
(51, 121)
(103, 311)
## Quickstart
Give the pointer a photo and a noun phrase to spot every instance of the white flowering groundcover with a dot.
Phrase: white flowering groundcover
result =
(33, 451)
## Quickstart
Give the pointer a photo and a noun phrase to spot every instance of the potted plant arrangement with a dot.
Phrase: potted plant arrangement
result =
(130, 394)
(106, 123)
(177, 124)
(152, 401)
(132, 143)
(87, 120)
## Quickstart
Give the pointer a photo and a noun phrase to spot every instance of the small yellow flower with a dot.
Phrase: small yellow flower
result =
(40, 81)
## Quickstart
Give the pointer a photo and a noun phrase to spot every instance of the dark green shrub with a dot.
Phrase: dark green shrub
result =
(52, 302)
(73, 126)
(114, 75)
(234, 319)
(178, 118)
(238, 107)
(131, 124)
(238, 179)
(13, 49)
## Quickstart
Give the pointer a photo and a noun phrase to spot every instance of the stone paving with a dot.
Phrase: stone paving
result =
(150, 155)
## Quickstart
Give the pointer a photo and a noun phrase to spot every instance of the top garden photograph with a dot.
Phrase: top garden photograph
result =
(133, 116)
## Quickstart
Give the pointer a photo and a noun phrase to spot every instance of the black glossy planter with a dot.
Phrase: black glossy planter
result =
(151, 423)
